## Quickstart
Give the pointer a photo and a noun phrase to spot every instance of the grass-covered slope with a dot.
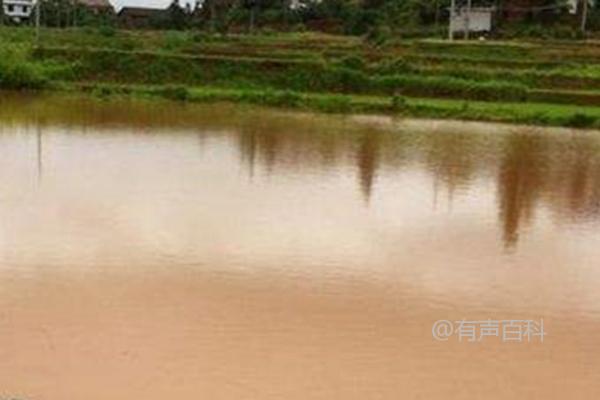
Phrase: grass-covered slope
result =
(555, 83)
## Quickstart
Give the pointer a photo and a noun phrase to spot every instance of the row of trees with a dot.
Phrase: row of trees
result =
(372, 17)
(376, 16)
(339, 16)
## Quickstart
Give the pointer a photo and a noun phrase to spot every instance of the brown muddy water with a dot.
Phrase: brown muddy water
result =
(163, 251)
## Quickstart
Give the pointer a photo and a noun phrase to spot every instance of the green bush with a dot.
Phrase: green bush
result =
(398, 102)
(18, 72)
(107, 31)
(176, 40)
(288, 98)
(580, 120)
(179, 93)
(344, 79)
(394, 66)
(354, 61)
(379, 35)
(102, 91)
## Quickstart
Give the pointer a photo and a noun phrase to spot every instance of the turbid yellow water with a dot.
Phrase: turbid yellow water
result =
(163, 251)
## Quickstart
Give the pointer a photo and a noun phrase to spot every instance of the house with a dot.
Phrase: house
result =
(22, 10)
(485, 19)
(141, 17)
(18, 10)
(97, 7)
(514, 10)
(477, 19)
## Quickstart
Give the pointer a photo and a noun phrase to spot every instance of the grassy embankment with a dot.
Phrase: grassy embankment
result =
(545, 83)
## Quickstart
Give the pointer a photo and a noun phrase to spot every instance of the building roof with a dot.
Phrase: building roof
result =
(98, 4)
(141, 11)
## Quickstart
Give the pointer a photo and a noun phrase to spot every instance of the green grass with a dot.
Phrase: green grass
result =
(529, 113)
(17, 72)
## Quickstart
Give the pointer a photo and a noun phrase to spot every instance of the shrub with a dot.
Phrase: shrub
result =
(580, 120)
(299, 27)
(345, 79)
(106, 31)
(288, 98)
(379, 35)
(202, 37)
(398, 102)
(175, 40)
(334, 103)
(355, 62)
(102, 91)
(17, 72)
(179, 93)
(394, 66)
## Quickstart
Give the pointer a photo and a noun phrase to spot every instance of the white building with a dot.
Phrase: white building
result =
(479, 19)
(572, 4)
(18, 10)
(575, 4)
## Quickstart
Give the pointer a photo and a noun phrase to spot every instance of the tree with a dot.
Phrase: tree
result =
(178, 17)
(57, 13)
(252, 6)
(214, 13)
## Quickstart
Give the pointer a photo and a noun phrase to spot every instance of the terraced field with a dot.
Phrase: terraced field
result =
(550, 83)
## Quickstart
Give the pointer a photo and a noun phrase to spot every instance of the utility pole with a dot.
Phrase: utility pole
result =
(252, 17)
(450, 28)
(584, 13)
(468, 20)
(38, 10)
(253, 9)
(213, 16)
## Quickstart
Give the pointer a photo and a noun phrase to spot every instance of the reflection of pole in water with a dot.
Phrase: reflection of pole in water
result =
(248, 148)
(520, 183)
(450, 197)
(251, 155)
(367, 158)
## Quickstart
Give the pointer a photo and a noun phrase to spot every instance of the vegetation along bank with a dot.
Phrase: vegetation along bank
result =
(537, 82)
